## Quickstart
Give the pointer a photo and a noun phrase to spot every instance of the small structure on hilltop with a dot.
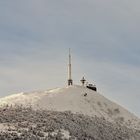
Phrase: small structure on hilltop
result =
(83, 80)
(70, 81)
(90, 86)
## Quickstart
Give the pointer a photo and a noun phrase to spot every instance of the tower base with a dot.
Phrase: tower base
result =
(70, 82)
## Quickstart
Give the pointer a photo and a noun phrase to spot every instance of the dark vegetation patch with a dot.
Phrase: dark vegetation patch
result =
(28, 124)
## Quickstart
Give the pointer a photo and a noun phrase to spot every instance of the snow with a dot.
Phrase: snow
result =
(74, 99)
(65, 133)
(2, 127)
(5, 126)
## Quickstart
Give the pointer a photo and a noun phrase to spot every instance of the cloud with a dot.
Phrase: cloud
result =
(104, 37)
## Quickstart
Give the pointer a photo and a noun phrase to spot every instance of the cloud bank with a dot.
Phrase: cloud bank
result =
(103, 35)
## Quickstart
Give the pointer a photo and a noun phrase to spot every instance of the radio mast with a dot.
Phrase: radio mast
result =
(70, 81)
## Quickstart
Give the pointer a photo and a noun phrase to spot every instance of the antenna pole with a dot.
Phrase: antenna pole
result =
(70, 81)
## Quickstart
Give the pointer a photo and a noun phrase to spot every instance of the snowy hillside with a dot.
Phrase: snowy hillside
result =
(76, 99)
(18, 123)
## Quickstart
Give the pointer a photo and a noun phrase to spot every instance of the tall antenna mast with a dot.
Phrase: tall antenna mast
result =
(70, 81)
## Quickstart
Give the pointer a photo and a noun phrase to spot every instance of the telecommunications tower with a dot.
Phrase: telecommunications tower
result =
(70, 81)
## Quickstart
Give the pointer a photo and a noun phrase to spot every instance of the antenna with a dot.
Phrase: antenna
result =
(70, 81)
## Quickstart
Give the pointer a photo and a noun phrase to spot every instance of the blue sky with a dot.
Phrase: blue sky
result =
(104, 37)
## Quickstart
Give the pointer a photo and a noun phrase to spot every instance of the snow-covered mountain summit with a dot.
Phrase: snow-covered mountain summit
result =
(77, 99)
